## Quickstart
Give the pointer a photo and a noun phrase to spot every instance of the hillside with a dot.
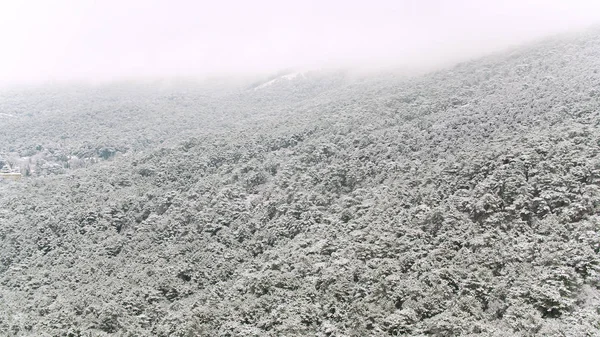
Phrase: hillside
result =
(458, 203)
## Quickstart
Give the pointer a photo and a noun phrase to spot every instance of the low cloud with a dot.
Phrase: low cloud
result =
(105, 40)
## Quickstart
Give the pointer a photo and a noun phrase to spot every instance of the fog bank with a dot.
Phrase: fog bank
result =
(107, 40)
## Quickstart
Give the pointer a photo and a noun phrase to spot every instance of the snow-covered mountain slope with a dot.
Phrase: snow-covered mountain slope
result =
(463, 202)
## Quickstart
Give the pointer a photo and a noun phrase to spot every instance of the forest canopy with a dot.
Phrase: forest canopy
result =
(457, 203)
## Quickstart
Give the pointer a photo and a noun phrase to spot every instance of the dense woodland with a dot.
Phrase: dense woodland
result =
(462, 202)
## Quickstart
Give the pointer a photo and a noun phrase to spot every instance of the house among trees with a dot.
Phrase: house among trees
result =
(8, 174)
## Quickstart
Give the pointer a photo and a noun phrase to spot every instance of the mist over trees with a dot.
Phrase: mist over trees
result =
(458, 203)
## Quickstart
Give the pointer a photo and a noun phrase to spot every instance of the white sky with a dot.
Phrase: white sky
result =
(58, 40)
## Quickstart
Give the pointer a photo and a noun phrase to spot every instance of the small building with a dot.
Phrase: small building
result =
(10, 176)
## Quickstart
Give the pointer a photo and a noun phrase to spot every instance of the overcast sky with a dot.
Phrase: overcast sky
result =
(62, 40)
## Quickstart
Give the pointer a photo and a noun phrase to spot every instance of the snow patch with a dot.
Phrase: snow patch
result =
(266, 84)
(287, 77)
(292, 76)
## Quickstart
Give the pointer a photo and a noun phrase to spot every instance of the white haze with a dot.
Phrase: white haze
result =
(62, 40)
